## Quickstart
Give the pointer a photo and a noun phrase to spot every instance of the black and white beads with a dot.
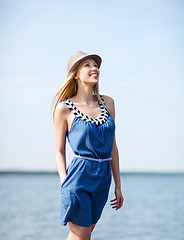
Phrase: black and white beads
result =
(103, 118)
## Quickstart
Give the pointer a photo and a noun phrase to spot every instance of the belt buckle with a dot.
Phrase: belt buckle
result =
(100, 160)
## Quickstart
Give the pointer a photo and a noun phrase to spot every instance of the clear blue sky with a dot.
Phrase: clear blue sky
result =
(141, 44)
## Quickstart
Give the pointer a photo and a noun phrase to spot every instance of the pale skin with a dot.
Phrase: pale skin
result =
(63, 118)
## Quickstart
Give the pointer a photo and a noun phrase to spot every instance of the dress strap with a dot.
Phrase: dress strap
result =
(101, 96)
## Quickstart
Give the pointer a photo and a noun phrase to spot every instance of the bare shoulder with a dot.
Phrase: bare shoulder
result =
(109, 102)
(61, 112)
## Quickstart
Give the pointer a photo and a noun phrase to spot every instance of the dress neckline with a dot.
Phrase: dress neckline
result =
(81, 115)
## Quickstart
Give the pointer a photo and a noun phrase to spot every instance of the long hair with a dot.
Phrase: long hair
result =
(69, 89)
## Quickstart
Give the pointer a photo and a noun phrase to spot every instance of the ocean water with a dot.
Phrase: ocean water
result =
(153, 208)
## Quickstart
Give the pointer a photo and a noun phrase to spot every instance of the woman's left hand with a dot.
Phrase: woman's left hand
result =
(117, 203)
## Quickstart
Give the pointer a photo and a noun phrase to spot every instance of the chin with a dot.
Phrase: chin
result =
(92, 82)
(95, 80)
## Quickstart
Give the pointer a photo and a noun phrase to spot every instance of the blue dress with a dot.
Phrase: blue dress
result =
(85, 189)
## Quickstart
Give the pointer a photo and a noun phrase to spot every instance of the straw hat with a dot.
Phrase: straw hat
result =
(78, 57)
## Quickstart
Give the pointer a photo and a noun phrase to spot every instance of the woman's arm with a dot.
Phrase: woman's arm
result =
(60, 122)
(118, 201)
(115, 165)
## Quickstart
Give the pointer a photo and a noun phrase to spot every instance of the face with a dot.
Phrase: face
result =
(88, 72)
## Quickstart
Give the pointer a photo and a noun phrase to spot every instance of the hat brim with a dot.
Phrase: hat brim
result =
(95, 57)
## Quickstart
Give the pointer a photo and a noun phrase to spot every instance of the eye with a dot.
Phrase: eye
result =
(87, 64)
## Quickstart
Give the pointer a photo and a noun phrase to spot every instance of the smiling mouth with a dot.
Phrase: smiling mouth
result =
(93, 75)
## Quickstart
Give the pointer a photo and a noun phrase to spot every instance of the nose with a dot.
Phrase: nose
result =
(95, 68)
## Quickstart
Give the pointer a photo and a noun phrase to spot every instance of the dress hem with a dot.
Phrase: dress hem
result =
(79, 224)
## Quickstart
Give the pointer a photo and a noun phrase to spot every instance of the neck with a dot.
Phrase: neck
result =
(85, 94)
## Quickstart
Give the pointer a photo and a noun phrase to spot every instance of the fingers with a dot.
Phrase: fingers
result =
(120, 203)
(117, 203)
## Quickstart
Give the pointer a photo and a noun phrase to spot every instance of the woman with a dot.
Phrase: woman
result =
(87, 119)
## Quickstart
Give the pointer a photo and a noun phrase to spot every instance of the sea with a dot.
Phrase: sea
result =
(153, 208)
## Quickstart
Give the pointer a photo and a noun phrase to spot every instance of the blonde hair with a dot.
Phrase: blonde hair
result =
(69, 89)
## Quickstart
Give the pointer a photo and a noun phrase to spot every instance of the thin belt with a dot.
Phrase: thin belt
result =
(94, 159)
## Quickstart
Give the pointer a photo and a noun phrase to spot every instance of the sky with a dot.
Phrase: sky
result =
(142, 50)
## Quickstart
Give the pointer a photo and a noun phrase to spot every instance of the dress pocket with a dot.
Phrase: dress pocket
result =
(67, 173)
(73, 172)
(64, 180)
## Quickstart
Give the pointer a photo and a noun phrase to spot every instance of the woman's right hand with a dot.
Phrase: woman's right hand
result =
(62, 179)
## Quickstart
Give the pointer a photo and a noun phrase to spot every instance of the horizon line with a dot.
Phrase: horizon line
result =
(131, 172)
